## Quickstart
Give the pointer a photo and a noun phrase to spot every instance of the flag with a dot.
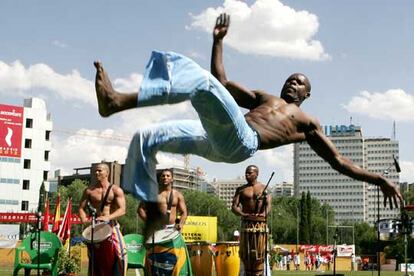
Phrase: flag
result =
(56, 220)
(46, 217)
(64, 229)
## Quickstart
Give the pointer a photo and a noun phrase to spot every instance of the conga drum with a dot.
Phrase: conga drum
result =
(167, 254)
(201, 258)
(101, 247)
(227, 259)
(253, 239)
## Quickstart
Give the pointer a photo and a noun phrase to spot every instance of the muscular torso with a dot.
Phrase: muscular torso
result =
(247, 198)
(277, 122)
(163, 199)
(96, 194)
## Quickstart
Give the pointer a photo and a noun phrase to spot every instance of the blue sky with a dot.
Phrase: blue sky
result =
(359, 56)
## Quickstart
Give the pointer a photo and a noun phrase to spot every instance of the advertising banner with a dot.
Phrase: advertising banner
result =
(9, 235)
(197, 228)
(345, 250)
(11, 125)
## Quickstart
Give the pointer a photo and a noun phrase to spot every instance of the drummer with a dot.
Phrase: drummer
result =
(108, 202)
(170, 203)
(251, 201)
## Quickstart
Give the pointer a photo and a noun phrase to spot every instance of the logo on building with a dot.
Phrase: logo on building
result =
(11, 125)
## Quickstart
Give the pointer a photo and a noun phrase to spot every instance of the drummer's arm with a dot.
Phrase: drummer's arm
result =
(182, 208)
(82, 206)
(119, 198)
(268, 204)
(235, 207)
(141, 211)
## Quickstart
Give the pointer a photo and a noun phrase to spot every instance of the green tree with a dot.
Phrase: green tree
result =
(309, 211)
(130, 223)
(303, 222)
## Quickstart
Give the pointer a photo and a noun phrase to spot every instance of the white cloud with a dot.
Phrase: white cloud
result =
(395, 104)
(85, 147)
(267, 27)
(279, 160)
(59, 44)
(407, 171)
(131, 84)
(16, 78)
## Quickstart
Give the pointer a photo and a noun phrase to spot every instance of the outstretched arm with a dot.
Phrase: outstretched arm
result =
(244, 97)
(327, 150)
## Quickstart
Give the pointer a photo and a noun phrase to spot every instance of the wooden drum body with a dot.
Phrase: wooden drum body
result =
(253, 239)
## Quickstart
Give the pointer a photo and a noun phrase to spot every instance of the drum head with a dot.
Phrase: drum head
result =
(163, 235)
(102, 232)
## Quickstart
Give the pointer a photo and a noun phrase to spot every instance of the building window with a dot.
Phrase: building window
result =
(28, 143)
(45, 173)
(25, 205)
(29, 123)
(26, 164)
(47, 135)
(47, 155)
(26, 184)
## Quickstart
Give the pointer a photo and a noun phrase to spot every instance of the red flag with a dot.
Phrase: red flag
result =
(56, 221)
(46, 217)
(64, 229)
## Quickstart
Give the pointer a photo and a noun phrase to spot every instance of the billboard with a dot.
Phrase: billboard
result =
(9, 235)
(11, 126)
(198, 228)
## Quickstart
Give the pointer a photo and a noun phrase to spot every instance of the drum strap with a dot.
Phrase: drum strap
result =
(169, 206)
(105, 198)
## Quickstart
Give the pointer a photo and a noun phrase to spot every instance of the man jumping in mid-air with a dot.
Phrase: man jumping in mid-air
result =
(223, 133)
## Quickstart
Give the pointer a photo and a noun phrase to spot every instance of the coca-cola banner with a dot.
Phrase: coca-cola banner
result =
(11, 125)
(343, 250)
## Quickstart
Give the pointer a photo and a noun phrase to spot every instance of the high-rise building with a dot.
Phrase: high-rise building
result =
(24, 154)
(225, 189)
(283, 189)
(352, 200)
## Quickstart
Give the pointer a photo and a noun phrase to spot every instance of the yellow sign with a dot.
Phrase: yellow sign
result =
(197, 228)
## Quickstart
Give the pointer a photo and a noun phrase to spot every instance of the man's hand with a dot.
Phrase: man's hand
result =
(391, 193)
(221, 27)
(105, 218)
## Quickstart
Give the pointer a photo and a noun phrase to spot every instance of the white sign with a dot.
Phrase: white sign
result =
(345, 250)
(9, 235)
(410, 267)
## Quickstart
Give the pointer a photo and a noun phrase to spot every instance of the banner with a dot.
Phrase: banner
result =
(410, 267)
(11, 124)
(197, 228)
(31, 217)
(9, 235)
(345, 250)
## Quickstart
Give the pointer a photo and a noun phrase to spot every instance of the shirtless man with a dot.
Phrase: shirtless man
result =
(170, 214)
(107, 212)
(251, 197)
(255, 205)
(222, 133)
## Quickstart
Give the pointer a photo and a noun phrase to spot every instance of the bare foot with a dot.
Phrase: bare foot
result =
(108, 102)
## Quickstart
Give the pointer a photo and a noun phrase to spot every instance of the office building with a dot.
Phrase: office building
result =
(24, 154)
(351, 200)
